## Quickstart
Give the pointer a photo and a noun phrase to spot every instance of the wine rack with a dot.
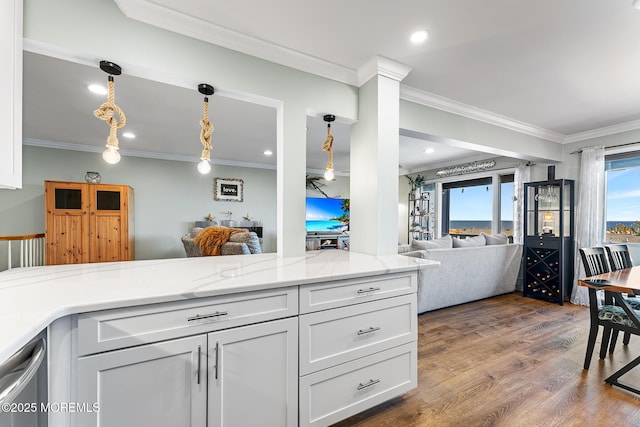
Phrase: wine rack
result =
(548, 244)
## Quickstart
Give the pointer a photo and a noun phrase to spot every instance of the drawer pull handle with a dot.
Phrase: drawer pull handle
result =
(217, 361)
(366, 291)
(368, 331)
(199, 350)
(369, 384)
(207, 316)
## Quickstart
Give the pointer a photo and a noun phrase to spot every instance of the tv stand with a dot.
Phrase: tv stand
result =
(327, 241)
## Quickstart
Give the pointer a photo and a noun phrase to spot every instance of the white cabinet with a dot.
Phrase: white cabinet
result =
(307, 355)
(358, 345)
(11, 90)
(160, 385)
(237, 365)
(253, 375)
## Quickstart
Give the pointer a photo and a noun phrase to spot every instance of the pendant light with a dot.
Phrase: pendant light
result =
(204, 167)
(327, 146)
(106, 111)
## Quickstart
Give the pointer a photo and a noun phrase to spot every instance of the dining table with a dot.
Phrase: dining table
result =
(617, 286)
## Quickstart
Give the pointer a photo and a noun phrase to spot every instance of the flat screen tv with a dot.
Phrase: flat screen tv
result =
(327, 216)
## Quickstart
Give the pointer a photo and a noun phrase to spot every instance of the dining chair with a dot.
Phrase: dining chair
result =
(620, 258)
(611, 317)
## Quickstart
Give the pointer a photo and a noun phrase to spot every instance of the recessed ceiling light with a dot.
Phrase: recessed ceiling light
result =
(98, 89)
(428, 150)
(267, 152)
(419, 37)
(636, 4)
(129, 135)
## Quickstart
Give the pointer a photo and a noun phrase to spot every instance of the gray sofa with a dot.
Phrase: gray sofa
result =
(466, 273)
(238, 244)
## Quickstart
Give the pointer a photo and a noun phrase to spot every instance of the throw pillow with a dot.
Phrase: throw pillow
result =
(254, 243)
(442, 243)
(496, 239)
(469, 242)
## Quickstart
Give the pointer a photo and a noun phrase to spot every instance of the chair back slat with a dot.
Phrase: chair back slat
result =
(619, 257)
(594, 261)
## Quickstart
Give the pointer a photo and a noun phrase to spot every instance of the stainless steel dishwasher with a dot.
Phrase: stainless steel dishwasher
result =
(20, 391)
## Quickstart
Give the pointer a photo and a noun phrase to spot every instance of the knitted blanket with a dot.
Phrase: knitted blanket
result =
(211, 239)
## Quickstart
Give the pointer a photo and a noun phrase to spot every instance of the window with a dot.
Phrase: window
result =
(506, 204)
(623, 197)
(468, 206)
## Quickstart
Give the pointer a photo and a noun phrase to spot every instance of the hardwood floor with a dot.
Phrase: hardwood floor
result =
(510, 361)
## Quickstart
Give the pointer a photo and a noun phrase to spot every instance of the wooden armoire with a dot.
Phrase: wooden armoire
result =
(88, 222)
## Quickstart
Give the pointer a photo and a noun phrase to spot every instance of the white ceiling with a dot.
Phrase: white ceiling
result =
(563, 69)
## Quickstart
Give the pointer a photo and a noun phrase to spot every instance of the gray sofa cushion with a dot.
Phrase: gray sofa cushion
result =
(470, 242)
(442, 243)
(234, 248)
(495, 239)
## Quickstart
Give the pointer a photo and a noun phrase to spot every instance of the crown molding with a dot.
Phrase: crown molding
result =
(445, 104)
(138, 153)
(603, 131)
(381, 66)
(172, 20)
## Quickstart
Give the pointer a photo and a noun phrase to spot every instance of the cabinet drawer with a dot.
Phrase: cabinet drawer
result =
(543, 242)
(119, 328)
(334, 394)
(336, 336)
(347, 292)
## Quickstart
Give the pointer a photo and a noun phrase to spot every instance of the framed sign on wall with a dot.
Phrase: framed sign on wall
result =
(228, 189)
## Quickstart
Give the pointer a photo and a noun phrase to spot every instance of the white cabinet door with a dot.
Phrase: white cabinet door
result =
(159, 385)
(11, 90)
(253, 375)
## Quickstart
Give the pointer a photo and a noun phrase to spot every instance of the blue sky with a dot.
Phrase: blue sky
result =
(623, 195)
(323, 209)
(476, 203)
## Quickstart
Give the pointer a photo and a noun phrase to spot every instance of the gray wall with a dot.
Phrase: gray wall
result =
(169, 197)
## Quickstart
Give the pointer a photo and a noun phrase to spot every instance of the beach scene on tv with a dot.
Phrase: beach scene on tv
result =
(327, 216)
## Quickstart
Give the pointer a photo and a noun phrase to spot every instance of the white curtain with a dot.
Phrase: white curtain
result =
(589, 213)
(522, 175)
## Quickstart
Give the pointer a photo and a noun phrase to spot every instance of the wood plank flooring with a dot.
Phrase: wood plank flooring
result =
(510, 361)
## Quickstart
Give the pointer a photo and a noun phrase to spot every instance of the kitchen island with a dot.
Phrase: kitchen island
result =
(113, 317)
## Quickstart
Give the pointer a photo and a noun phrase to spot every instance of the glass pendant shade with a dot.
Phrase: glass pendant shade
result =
(204, 167)
(111, 155)
(329, 175)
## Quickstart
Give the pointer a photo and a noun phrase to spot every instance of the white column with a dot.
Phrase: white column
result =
(374, 159)
(291, 179)
(11, 90)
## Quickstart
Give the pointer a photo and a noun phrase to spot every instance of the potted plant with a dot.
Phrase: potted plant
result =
(415, 182)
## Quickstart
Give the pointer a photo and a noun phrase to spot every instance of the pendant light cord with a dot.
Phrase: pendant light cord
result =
(106, 111)
(328, 147)
(205, 133)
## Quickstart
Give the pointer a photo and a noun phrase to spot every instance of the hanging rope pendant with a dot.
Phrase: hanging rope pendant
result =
(206, 129)
(327, 146)
(106, 112)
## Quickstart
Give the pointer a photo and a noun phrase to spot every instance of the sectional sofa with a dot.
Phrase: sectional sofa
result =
(470, 269)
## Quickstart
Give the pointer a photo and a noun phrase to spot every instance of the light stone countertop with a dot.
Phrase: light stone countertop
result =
(31, 298)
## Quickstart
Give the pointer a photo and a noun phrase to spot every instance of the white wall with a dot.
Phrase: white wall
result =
(169, 197)
(420, 119)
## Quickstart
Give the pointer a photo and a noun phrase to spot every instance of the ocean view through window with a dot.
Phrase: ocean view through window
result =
(468, 206)
(623, 198)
